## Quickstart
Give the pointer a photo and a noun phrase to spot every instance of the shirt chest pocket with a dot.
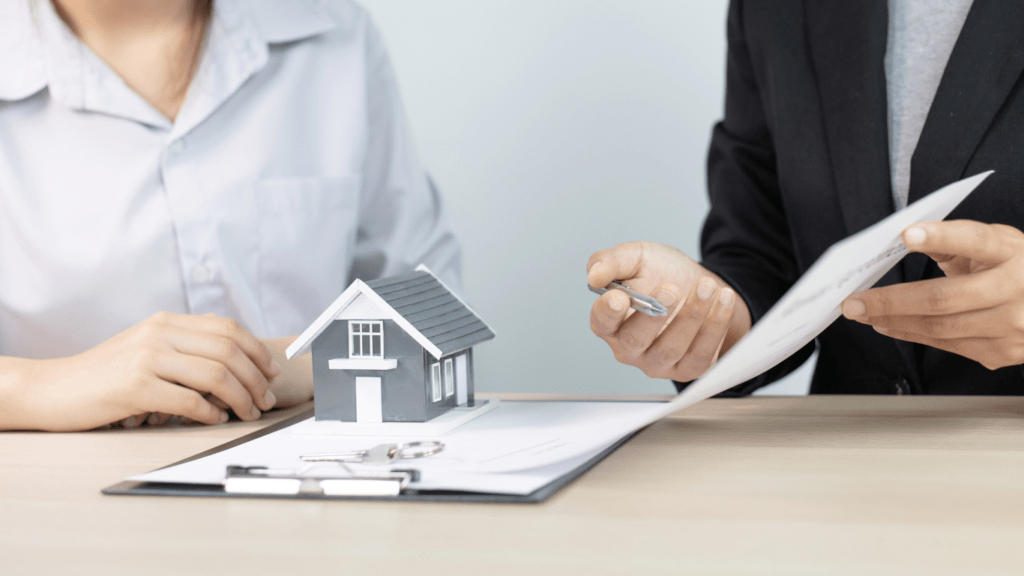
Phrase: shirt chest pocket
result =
(307, 234)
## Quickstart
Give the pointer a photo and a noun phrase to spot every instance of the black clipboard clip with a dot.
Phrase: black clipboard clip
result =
(313, 480)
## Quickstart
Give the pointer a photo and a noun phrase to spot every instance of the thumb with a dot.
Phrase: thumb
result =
(617, 263)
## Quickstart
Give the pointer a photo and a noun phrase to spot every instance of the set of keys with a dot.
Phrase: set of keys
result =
(380, 455)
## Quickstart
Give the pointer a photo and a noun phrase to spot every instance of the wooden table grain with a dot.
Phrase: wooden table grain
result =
(798, 485)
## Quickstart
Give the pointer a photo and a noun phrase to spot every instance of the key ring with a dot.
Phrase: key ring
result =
(422, 449)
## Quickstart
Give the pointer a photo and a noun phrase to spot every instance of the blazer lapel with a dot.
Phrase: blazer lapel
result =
(847, 41)
(985, 65)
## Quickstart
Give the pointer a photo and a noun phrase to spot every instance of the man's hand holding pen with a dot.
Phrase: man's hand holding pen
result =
(705, 316)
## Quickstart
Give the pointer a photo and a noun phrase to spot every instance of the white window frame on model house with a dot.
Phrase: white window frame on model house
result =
(362, 332)
(435, 381)
(449, 378)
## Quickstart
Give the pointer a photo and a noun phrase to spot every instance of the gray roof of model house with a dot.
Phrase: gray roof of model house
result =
(421, 304)
(433, 310)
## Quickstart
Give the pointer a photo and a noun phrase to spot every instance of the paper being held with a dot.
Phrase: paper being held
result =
(813, 303)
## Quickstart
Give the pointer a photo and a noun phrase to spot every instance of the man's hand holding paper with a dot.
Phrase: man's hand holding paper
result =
(976, 311)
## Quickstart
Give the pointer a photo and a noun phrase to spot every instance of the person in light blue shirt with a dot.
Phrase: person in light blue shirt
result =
(184, 186)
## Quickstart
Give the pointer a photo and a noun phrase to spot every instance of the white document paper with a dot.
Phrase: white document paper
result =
(849, 266)
(514, 430)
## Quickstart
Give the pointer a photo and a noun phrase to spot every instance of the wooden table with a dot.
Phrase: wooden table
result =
(809, 485)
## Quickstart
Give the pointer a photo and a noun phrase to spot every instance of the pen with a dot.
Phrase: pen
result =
(639, 302)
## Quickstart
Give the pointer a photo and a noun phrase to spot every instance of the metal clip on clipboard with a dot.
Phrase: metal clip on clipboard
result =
(283, 482)
(323, 478)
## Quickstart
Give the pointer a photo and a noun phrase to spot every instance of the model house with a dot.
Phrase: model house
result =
(397, 349)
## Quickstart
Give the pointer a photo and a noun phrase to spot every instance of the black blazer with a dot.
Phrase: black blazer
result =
(800, 161)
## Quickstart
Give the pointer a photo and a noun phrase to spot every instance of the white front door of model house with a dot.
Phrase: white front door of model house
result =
(368, 400)
(461, 375)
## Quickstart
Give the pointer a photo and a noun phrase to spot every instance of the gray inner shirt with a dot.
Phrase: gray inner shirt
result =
(921, 38)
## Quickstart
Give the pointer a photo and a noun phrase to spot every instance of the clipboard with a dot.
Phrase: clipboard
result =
(135, 488)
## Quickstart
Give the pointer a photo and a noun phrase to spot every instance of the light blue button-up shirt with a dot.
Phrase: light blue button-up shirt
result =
(288, 173)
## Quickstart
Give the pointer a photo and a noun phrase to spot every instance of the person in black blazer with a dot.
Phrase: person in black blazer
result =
(801, 161)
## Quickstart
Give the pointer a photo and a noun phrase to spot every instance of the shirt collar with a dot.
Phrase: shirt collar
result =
(281, 21)
(22, 67)
(36, 52)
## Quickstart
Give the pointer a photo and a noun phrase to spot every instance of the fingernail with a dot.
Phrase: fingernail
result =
(666, 297)
(223, 417)
(593, 269)
(915, 235)
(255, 413)
(881, 330)
(853, 309)
(153, 419)
(269, 400)
(705, 289)
(727, 297)
(615, 305)
(275, 368)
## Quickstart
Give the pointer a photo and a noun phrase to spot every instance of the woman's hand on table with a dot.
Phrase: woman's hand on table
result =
(976, 310)
(293, 385)
(169, 364)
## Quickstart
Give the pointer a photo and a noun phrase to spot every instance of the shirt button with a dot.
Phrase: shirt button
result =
(202, 273)
(176, 147)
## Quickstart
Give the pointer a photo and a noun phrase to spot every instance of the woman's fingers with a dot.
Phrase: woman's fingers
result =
(252, 347)
(149, 419)
(227, 352)
(225, 342)
(134, 421)
(160, 396)
(157, 419)
(158, 369)
(216, 401)
(257, 352)
(204, 375)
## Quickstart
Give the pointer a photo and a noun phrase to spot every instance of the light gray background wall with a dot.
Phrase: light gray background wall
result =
(556, 129)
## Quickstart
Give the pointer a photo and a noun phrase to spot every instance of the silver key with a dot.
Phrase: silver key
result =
(382, 454)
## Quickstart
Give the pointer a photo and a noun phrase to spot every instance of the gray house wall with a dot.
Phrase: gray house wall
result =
(470, 389)
(335, 390)
(435, 409)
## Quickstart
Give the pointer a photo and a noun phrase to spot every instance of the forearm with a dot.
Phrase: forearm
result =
(19, 409)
